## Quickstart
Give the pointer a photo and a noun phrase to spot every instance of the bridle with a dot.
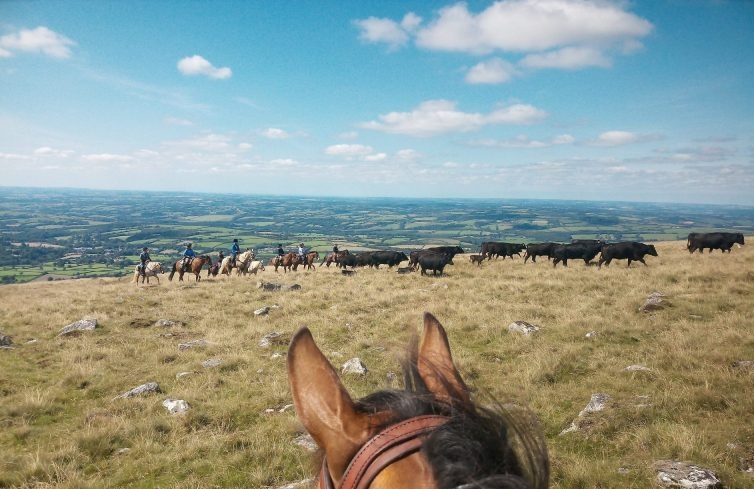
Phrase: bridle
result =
(388, 446)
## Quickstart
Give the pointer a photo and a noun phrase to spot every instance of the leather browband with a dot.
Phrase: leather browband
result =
(394, 443)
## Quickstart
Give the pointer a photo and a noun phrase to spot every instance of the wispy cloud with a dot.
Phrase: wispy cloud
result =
(621, 138)
(275, 133)
(197, 65)
(176, 121)
(40, 40)
(523, 142)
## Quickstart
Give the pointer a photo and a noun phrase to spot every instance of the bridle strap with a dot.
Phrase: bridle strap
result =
(392, 444)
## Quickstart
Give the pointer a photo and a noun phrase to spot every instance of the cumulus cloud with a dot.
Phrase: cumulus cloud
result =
(569, 58)
(39, 40)
(620, 138)
(197, 65)
(275, 133)
(348, 135)
(388, 31)
(349, 150)
(107, 157)
(435, 117)
(524, 142)
(492, 71)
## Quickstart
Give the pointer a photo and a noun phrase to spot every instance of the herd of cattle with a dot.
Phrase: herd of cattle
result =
(436, 258)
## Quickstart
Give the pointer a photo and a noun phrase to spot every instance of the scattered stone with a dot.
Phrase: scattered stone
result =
(695, 316)
(273, 338)
(403, 270)
(286, 408)
(274, 286)
(212, 362)
(336, 354)
(596, 403)
(348, 273)
(166, 323)
(305, 440)
(592, 334)
(298, 485)
(78, 326)
(147, 388)
(744, 365)
(278, 409)
(637, 368)
(122, 451)
(31, 341)
(5, 340)
(623, 470)
(276, 355)
(671, 473)
(193, 344)
(181, 375)
(354, 366)
(262, 311)
(654, 302)
(523, 328)
(176, 406)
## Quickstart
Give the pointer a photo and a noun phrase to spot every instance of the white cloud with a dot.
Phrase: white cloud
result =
(284, 162)
(376, 157)
(107, 157)
(39, 40)
(197, 65)
(13, 156)
(349, 150)
(349, 135)
(493, 71)
(275, 133)
(388, 31)
(616, 138)
(435, 117)
(175, 121)
(408, 155)
(531, 25)
(52, 152)
(244, 146)
(524, 142)
(206, 142)
(569, 58)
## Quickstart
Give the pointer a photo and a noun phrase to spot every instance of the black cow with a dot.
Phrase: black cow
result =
(533, 250)
(589, 241)
(434, 261)
(490, 248)
(713, 241)
(586, 252)
(389, 258)
(413, 257)
(628, 250)
(356, 260)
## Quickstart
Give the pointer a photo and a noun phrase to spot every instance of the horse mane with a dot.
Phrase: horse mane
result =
(479, 447)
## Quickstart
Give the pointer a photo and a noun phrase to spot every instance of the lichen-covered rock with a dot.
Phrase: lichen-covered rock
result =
(262, 311)
(744, 365)
(176, 406)
(305, 440)
(671, 473)
(166, 323)
(273, 338)
(354, 366)
(147, 388)
(193, 344)
(181, 375)
(637, 368)
(274, 286)
(655, 302)
(597, 403)
(212, 362)
(523, 328)
(78, 327)
(5, 340)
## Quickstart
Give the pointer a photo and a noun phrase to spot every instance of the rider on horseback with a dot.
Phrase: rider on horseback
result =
(281, 253)
(234, 250)
(144, 258)
(188, 257)
(302, 253)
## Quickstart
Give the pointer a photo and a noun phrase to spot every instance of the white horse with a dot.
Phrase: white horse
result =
(242, 263)
(255, 266)
(153, 268)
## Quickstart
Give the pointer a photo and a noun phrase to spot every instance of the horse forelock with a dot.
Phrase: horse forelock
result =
(476, 444)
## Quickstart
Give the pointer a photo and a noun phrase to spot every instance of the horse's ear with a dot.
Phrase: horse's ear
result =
(323, 404)
(435, 364)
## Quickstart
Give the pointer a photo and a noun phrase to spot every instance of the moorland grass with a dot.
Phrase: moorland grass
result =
(61, 427)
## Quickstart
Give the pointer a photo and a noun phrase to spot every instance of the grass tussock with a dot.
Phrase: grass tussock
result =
(61, 427)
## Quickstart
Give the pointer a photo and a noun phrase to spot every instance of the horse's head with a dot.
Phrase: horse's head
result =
(429, 436)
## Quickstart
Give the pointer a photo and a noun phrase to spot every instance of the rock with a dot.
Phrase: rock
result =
(273, 286)
(31, 341)
(348, 273)
(744, 365)
(637, 368)
(523, 328)
(276, 355)
(354, 366)
(166, 323)
(5, 340)
(193, 344)
(78, 326)
(685, 475)
(147, 388)
(262, 311)
(122, 451)
(176, 406)
(212, 362)
(285, 408)
(623, 470)
(273, 338)
(302, 484)
(305, 440)
(654, 302)
(596, 403)
(181, 375)
(404, 270)
(591, 334)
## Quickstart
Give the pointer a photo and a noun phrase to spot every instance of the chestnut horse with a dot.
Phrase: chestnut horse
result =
(334, 258)
(309, 260)
(196, 267)
(429, 436)
(289, 261)
(153, 268)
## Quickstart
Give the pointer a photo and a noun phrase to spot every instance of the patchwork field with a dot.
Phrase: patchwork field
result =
(62, 427)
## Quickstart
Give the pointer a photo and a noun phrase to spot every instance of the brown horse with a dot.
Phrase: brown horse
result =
(309, 260)
(195, 267)
(428, 436)
(289, 261)
(334, 258)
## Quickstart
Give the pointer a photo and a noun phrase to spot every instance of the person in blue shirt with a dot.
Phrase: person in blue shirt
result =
(234, 250)
(188, 256)
(144, 258)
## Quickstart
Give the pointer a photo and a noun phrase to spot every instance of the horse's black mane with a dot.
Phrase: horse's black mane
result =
(475, 449)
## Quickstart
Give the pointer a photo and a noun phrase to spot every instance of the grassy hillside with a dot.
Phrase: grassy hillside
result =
(59, 424)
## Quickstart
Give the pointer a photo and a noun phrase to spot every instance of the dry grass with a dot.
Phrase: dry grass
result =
(59, 424)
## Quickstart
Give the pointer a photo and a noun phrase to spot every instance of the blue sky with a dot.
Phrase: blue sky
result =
(554, 99)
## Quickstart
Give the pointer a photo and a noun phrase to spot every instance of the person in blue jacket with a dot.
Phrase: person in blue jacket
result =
(188, 257)
(234, 250)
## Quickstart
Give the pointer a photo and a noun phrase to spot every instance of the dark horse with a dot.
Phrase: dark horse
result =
(196, 267)
(334, 258)
(429, 436)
